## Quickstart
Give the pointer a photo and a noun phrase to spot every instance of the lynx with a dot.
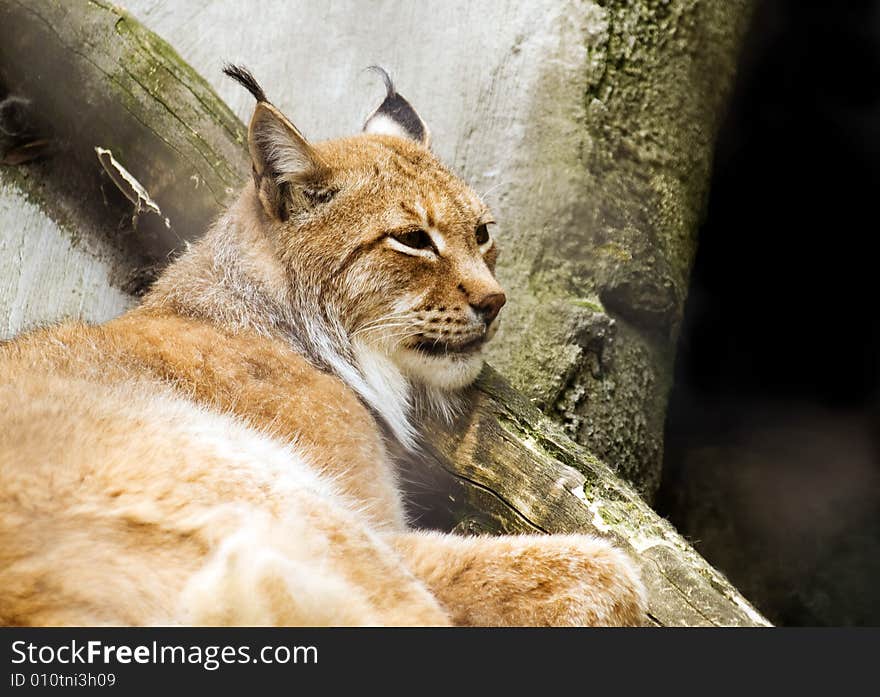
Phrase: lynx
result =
(220, 454)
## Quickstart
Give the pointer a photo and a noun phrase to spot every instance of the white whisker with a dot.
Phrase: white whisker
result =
(488, 191)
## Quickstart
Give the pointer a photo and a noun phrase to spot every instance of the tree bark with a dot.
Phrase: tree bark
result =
(504, 466)
(607, 277)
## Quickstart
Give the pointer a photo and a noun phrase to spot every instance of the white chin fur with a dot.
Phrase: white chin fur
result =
(439, 372)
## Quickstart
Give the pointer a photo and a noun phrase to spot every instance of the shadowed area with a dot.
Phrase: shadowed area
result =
(772, 464)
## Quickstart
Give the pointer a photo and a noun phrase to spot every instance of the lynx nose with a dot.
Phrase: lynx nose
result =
(488, 307)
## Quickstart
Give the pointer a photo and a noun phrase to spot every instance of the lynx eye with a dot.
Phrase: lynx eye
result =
(417, 239)
(482, 234)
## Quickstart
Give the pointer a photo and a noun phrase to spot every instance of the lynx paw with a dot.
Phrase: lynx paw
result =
(596, 584)
(556, 580)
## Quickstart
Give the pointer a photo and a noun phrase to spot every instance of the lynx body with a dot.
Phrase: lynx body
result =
(218, 455)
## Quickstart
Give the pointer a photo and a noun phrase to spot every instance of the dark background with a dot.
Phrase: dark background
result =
(772, 459)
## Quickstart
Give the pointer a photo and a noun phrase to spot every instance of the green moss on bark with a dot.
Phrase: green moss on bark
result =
(654, 82)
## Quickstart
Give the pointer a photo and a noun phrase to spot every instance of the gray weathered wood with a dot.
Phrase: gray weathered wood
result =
(504, 466)
(51, 271)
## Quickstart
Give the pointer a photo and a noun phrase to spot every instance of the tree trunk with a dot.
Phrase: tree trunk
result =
(52, 270)
(504, 466)
(606, 268)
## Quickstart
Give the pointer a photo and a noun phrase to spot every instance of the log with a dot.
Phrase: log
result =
(505, 467)
(96, 78)
(502, 467)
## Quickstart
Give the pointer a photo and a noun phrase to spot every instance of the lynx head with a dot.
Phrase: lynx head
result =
(392, 252)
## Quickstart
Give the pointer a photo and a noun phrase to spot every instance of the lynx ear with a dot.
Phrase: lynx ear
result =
(395, 116)
(287, 170)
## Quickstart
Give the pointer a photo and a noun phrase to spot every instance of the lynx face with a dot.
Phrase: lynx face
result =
(412, 257)
(399, 250)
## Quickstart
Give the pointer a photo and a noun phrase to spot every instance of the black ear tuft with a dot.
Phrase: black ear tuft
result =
(284, 164)
(395, 115)
(386, 78)
(245, 78)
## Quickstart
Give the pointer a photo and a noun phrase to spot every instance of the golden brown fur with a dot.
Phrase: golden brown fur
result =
(218, 455)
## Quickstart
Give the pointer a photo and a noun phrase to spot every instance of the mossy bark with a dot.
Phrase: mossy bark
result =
(504, 466)
(600, 291)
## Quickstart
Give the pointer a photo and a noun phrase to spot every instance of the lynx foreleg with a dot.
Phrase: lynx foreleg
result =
(547, 580)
